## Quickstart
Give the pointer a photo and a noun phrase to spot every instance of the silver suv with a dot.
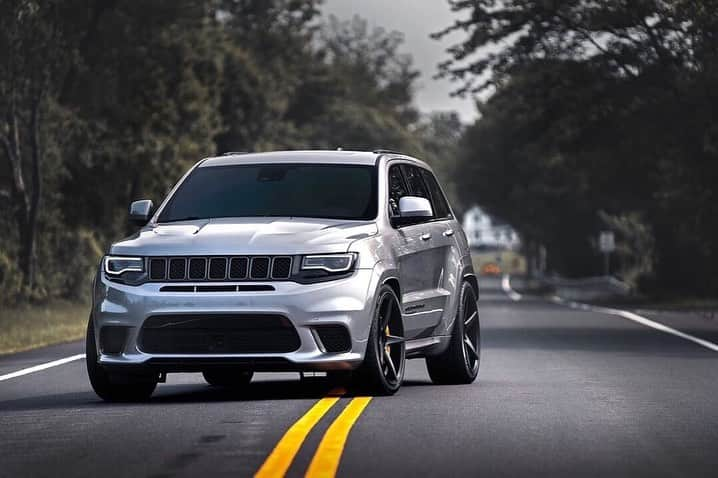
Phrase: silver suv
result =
(336, 261)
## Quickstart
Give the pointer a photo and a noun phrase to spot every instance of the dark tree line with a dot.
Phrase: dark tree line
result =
(107, 101)
(602, 117)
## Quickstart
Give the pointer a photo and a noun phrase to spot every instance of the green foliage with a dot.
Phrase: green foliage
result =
(598, 107)
(370, 67)
(10, 279)
(439, 135)
(129, 94)
(635, 245)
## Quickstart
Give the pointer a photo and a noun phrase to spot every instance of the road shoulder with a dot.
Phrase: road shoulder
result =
(30, 358)
(691, 325)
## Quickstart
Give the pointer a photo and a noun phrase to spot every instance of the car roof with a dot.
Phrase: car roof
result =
(313, 157)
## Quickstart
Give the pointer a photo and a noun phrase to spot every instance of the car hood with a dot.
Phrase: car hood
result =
(233, 236)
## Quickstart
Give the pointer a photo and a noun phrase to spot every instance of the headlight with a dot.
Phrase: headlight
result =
(115, 265)
(331, 263)
(127, 270)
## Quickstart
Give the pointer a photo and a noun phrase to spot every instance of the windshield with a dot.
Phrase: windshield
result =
(331, 191)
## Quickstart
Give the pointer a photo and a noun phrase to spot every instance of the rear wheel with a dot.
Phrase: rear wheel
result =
(228, 378)
(459, 363)
(383, 369)
(114, 387)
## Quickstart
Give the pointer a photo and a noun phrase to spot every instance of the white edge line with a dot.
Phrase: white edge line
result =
(506, 287)
(638, 319)
(42, 366)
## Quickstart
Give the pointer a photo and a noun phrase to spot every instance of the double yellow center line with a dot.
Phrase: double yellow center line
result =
(326, 459)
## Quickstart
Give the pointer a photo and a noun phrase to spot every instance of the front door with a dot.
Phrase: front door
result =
(445, 230)
(419, 251)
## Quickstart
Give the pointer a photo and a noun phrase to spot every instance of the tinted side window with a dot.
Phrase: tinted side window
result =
(416, 184)
(438, 201)
(397, 190)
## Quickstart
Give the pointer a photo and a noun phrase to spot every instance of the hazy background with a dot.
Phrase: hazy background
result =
(416, 20)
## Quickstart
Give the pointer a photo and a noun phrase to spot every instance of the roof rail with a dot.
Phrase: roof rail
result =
(232, 153)
(387, 151)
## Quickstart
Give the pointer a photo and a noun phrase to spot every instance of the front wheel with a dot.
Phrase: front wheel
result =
(459, 363)
(383, 369)
(114, 388)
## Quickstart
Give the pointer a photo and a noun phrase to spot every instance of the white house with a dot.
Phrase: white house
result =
(484, 231)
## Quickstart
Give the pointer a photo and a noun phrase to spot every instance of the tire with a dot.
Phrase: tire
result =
(228, 378)
(459, 363)
(114, 387)
(383, 369)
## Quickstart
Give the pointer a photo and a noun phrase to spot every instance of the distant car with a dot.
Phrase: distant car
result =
(490, 269)
(318, 260)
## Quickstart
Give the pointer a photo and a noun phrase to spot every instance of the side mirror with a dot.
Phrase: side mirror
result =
(141, 212)
(413, 209)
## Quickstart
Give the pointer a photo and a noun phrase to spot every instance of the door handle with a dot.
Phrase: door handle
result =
(425, 237)
(449, 232)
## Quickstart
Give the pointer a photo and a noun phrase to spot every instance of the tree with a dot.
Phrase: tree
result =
(106, 101)
(146, 91)
(101, 102)
(597, 107)
(627, 37)
(369, 102)
(267, 56)
(439, 135)
(34, 52)
(371, 65)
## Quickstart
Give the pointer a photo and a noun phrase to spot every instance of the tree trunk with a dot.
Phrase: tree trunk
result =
(35, 194)
(27, 255)
(26, 203)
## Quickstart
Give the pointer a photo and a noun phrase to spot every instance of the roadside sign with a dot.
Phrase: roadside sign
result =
(606, 242)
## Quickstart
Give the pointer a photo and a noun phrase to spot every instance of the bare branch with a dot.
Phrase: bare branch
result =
(588, 36)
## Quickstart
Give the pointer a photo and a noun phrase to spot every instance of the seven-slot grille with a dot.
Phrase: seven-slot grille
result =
(220, 268)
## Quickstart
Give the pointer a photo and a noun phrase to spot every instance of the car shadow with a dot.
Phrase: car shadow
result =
(265, 390)
(306, 389)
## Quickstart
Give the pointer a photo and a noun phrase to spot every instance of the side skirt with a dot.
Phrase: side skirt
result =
(419, 348)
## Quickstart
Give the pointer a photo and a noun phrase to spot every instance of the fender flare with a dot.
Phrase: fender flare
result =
(469, 276)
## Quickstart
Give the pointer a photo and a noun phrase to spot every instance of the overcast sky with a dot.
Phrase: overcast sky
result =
(416, 19)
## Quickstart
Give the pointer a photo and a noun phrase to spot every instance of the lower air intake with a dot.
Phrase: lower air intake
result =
(112, 339)
(218, 334)
(334, 338)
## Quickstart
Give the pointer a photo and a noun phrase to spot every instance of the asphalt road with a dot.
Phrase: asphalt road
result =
(561, 392)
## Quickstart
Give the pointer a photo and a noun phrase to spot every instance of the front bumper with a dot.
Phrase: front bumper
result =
(346, 301)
